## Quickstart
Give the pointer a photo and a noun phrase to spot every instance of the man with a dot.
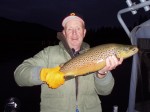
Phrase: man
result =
(77, 94)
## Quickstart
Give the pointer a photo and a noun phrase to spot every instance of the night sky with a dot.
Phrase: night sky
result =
(96, 13)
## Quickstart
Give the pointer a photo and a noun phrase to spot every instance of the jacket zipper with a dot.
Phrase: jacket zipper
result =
(76, 84)
(72, 53)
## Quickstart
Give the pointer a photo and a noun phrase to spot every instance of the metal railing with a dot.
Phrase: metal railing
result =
(132, 7)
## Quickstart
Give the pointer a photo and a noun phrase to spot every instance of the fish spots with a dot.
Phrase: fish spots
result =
(94, 58)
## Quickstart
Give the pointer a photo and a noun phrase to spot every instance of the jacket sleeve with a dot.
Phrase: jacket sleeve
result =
(28, 73)
(105, 85)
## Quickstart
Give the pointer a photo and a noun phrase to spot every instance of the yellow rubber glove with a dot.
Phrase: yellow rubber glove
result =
(52, 76)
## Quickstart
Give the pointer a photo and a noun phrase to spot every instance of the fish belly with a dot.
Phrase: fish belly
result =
(85, 69)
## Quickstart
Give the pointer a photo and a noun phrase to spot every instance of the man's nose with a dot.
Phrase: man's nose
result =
(74, 31)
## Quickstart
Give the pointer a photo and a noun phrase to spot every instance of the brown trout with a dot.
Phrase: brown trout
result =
(94, 59)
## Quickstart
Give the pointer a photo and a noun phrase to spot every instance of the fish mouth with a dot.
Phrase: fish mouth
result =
(135, 50)
(132, 52)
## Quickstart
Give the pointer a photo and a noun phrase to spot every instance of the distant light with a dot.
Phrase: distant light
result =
(129, 3)
(146, 8)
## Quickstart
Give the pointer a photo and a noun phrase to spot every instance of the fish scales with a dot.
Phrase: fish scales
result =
(94, 59)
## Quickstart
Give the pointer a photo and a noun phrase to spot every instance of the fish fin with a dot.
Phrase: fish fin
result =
(69, 77)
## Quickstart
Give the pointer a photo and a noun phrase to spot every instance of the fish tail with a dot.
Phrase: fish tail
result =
(52, 76)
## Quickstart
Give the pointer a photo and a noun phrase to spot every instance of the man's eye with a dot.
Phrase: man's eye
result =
(78, 28)
(69, 29)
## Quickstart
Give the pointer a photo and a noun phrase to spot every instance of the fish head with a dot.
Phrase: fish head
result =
(126, 51)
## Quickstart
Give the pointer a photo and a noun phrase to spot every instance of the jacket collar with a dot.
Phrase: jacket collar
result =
(84, 47)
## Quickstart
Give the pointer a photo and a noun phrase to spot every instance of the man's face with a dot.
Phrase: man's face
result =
(74, 32)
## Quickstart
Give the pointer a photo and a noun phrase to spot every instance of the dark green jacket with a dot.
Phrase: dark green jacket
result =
(63, 99)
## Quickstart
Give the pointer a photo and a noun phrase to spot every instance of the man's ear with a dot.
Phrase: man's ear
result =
(84, 32)
(63, 32)
(60, 35)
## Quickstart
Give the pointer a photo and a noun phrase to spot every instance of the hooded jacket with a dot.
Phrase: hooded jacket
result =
(63, 99)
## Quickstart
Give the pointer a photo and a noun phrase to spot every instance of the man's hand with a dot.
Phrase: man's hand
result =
(111, 63)
(52, 77)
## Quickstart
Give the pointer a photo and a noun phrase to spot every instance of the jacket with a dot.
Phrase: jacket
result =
(63, 99)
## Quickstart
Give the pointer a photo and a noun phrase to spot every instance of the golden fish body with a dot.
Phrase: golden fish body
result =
(95, 58)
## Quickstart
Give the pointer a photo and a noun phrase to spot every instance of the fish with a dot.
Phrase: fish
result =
(95, 58)
(90, 61)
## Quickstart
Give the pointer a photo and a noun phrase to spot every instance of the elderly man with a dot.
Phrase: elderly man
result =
(75, 95)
